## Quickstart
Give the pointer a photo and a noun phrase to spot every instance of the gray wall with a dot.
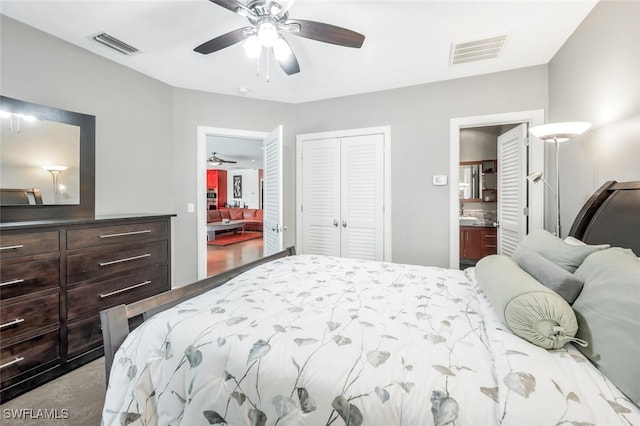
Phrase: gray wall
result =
(134, 144)
(146, 135)
(192, 109)
(595, 77)
(479, 143)
(419, 117)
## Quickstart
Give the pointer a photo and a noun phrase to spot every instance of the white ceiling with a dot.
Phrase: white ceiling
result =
(247, 152)
(407, 42)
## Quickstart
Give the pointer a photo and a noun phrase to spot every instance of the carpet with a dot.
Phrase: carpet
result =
(76, 398)
(228, 239)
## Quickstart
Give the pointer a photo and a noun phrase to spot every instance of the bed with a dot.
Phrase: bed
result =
(316, 340)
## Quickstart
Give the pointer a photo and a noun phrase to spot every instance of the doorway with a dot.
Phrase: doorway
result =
(535, 153)
(204, 133)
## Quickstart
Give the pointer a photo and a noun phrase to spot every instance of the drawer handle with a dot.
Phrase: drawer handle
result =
(126, 259)
(490, 236)
(490, 246)
(12, 247)
(15, 361)
(124, 234)
(10, 323)
(122, 290)
(18, 281)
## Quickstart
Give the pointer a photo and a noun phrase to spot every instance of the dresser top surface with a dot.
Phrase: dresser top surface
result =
(84, 221)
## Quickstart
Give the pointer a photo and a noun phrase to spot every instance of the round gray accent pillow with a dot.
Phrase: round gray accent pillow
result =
(530, 310)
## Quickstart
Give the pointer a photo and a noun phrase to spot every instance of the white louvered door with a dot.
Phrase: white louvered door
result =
(361, 188)
(511, 189)
(272, 219)
(342, 196)
(321, 189)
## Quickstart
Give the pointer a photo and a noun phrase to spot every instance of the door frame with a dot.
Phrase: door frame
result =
(386, 202)
(535, 162)
(201, 184)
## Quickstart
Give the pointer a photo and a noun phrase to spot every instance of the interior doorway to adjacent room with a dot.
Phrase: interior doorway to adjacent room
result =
(246, 251)
(531, 157)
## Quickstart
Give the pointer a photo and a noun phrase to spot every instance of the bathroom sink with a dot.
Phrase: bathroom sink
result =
(467, 220)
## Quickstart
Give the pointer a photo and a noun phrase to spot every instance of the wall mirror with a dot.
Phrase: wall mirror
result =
(47, 162)
(469, 181)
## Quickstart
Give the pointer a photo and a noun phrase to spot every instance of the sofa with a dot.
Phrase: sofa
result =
(253, 217)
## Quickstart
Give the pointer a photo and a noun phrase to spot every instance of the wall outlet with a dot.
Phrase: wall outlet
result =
(191, 208)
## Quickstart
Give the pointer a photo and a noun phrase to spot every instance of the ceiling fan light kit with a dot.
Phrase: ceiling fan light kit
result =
(268, 21)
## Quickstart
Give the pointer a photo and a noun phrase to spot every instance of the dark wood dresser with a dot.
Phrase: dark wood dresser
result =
(56, 276)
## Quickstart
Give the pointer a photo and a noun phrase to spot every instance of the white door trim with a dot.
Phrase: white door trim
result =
(201, 183)
(386, 131)
(536, 162)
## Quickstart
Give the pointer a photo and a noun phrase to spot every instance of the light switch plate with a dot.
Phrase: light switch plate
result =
(440, 180)
(190, 208)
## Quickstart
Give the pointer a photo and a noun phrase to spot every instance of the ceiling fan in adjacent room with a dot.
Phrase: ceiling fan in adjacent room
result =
(217, 161)
(268, 22)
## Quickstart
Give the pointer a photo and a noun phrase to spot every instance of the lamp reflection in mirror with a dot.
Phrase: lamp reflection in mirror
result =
(55, 174)
(556, 133)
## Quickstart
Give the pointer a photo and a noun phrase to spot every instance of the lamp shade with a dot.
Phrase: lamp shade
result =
(559, 132)
(55, 168)
(534, 177)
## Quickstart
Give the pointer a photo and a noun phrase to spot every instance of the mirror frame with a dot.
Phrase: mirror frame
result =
(86, 207)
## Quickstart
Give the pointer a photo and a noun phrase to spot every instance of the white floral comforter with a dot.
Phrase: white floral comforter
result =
(312, 340)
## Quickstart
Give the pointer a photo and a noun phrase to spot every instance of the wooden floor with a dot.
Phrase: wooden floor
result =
(220, 259)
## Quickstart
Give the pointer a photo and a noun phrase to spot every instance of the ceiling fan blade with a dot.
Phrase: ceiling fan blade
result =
(327, 33)
(223, 41)
(289, 64)
(234, 6)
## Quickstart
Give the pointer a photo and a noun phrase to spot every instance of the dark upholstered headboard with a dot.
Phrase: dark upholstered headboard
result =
(17, 197)
(611, 216)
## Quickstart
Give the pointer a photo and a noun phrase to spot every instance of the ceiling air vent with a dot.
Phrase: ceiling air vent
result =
(115, 44)
(477, 50)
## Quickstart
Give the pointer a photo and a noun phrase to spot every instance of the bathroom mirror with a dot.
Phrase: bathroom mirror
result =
(469, 180)
(49, 152)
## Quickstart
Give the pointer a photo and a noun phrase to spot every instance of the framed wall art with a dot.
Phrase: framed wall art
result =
(237, 186)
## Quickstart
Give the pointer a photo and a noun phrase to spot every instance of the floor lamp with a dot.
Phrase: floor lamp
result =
(556, 133)
(55, 173)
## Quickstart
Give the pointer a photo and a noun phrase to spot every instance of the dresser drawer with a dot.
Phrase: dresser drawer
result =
(112, 260)
(26, 244)
(28, 354)
(24, 278)
(83, 335)
(28, 316)
(126, 233)
(86, 334)
(90, 299)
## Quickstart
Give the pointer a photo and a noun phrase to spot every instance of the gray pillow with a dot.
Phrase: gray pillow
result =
(530, 310)
(551, 275)
(566, 256)
(608, 315)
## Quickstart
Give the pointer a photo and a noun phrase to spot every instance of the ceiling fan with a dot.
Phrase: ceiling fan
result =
(269, 20)
(215, 160)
